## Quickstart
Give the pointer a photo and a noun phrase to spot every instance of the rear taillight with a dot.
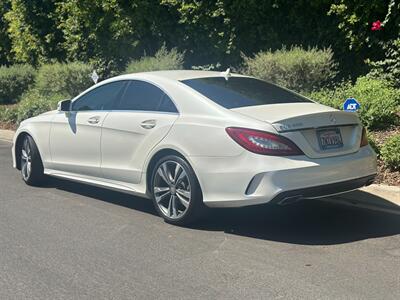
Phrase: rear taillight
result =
(364, 138)
(262, 142)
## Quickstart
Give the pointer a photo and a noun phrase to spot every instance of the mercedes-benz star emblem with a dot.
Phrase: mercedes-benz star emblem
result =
(332, 119)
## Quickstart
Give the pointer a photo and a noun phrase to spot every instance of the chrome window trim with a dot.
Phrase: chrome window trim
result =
(129, 111)
(125, 79)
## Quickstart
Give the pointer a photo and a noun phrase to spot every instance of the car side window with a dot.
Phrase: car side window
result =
(143, 96)
(102, 98)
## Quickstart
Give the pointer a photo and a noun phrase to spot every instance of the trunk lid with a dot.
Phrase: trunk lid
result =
(318, 130)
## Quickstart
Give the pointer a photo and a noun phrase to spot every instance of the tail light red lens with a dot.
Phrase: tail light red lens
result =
(262, 142)
(364, 138)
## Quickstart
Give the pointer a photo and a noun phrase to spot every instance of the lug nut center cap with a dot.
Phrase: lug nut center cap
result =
(172, 190)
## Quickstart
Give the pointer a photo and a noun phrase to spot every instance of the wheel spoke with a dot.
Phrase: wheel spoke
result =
(183, 193)
(163, 193)
(184, 202)
(24, 155)
(178, 170)
(173, 205)
(24, 170)
(26, 147)
(162, 171)
(180, 178)
(158, 190)
(170, 206)
(28, 168)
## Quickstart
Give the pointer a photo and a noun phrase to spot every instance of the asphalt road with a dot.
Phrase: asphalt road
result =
(71, 241)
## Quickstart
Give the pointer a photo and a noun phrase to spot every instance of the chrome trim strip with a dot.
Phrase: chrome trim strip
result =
(319, 127)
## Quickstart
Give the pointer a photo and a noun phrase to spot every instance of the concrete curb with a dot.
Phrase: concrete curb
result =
(6, 135)
(392, 193)
(376, 196)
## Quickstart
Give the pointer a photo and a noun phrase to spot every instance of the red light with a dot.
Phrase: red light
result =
(262, 142)
(364, 138)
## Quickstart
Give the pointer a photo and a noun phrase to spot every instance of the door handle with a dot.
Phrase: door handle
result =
(94, 120)
(148, 124)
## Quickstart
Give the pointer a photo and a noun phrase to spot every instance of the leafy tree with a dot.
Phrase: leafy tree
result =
(108, 33)
(5, 43)
(214, 32)
(389, 67)
(33, 31)
(355, 20)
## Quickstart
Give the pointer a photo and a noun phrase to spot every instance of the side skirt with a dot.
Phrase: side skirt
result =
(136, 190)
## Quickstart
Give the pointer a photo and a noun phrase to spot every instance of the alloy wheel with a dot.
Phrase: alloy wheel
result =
(172, 190)
(26, 160)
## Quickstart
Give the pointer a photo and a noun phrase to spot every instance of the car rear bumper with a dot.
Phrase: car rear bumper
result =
(325, 190)
(250, 179)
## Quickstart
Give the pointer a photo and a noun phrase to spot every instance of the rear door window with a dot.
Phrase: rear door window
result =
(237, 92)
(143, 96)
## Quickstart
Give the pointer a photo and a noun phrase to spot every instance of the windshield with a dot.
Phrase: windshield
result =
(242, 91)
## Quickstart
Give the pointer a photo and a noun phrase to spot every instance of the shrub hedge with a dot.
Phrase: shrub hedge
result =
(34, 103)
(372, 142)
(68, 79)
(380, 102)
(297, 69)
(162, 60)
(14, 81)
(390, 152)
(8, 114)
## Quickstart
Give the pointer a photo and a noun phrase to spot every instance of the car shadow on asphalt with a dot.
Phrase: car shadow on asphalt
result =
(309, 222)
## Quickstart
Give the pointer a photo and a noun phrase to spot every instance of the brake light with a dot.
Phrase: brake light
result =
(364, 138)
(262, 142)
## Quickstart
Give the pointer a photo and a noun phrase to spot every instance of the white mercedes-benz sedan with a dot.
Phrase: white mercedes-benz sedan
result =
(195, 139)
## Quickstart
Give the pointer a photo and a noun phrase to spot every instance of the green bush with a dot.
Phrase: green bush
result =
(297, 69)
(68, 79)
(14, 81)
(8, 114)
(380, 102)
(390, 152)
(372, 142)
(162, 60)
(34, 103)
(389, 67)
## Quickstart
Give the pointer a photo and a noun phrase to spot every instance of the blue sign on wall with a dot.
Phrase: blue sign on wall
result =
(351, 104)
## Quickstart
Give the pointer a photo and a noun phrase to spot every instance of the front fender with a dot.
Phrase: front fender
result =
(39, 129)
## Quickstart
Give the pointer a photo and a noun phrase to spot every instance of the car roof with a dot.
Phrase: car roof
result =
(179, 74)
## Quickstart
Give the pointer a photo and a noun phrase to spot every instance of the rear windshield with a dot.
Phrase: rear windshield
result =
(242, 91)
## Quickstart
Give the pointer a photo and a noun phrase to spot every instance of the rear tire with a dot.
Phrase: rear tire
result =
(176, 192)
(31, 162)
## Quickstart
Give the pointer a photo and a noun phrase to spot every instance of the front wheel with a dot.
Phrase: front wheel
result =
(176, 191)
(31, 162)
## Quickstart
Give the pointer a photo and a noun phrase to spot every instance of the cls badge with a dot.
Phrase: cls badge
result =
(332, 119)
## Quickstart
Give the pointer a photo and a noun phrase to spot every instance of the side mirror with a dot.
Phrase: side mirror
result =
(64, 105)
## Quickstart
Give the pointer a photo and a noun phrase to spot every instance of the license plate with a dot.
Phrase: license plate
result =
(329, 138)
